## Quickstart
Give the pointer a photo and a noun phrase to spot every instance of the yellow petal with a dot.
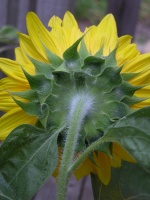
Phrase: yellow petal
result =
(124, 41)
(39, 34)
(13, 70)
(137, 64)
(12, 119)
(55, 22)
(129, 52)
(103, 167)
(69, 21)
(120, 152)
(84, 169)
(142, 78)
(28, 48)
(108, 33)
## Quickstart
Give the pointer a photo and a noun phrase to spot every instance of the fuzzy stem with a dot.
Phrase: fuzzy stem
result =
(79, 108)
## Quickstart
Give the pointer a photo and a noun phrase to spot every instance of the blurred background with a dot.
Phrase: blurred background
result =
(132, 17)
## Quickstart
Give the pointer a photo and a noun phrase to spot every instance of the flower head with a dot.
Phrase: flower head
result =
(52, 67)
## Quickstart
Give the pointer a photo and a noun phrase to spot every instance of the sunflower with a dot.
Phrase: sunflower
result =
(97, 40)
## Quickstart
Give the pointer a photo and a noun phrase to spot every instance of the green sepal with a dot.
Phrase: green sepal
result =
(115, 109)
(72, 58)
(92, 65)
(125, 89)
(99, 53)
(61, 68)
(110, 60)
(128, 76)
(55, 60)
(41, 84)
(42, 68)
(128, 182)
(83, 52)
(30, 95)
(41, 111)
(132, 100)
(28, 154)
(109, 79)
(105, 149)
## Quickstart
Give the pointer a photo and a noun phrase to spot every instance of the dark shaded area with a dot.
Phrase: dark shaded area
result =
(126, 13)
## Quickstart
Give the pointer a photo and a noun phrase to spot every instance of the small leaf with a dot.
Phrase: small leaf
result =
(27, 158)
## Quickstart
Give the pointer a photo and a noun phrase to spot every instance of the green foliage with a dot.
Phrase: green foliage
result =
(8, 34)
(27, 158)
(128, 182)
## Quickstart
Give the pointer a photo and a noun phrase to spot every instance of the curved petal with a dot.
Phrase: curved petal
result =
(103, 167)
(121, 153)
(28, 48)
(39, 34)
(55, 22)
(69, 21)
(108, 33)
(124, 41)
(129, 52)
(142, 78)
(12, 119)
(137, 64)
(13, 70)
(84, 169)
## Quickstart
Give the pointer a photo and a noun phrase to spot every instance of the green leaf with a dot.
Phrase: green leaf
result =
(133, 133)
(128, 182)
(5, 191)
(27, 158)
(8, 34)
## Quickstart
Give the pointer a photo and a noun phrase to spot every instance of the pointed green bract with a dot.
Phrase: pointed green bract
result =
(55, 60)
